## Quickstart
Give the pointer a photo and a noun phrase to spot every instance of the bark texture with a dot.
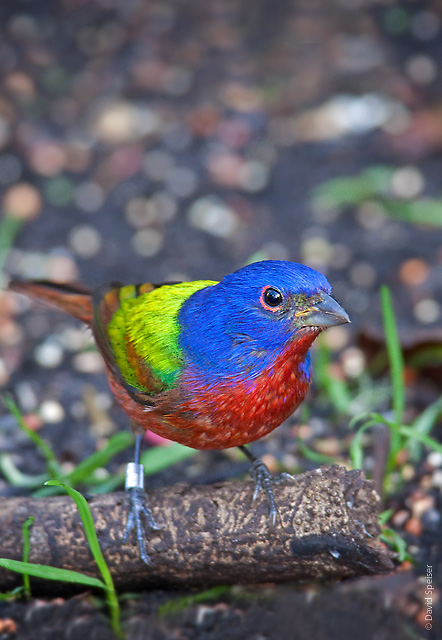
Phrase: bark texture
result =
(211, 534)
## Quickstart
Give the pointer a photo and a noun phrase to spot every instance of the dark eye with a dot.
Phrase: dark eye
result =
(272, 297)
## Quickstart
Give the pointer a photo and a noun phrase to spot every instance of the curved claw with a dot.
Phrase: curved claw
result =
(264, 481)
(138, 507)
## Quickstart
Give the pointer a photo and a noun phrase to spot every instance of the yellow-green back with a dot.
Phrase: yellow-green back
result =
(144, 333)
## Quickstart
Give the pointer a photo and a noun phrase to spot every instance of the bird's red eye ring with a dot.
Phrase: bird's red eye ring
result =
(271, 299)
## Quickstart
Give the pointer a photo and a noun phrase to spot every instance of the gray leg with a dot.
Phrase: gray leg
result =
(264, 481)
(138, 502)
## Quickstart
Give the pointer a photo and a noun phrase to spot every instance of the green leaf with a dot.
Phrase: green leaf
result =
(336, 389)
(53, 467)
(154, 460)
(91, 535)
(50, 573)
(360, 418)
(159, 458)
(378, 179)
(118, 442)
(398, 544)
(385, 516)
(423, 424)
(396, 361)
(356, 449)
(422, 437)
(26, 548)
(179, 604)
(371, 184)
(88, 523)
(14, 594)
(9, 228)
(314, 456)
(83, 472)
(341, 192)
(428, 211)
(17, 478)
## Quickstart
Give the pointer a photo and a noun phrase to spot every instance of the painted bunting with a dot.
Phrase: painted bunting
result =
(211, 365)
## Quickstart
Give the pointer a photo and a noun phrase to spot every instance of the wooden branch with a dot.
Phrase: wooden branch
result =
(212, 534)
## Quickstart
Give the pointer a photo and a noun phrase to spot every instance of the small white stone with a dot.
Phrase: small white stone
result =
(51, 411)
(353, 362)
(254, 176)
(85, 241)
(49, 354)
(336, 338)
(213, 216)
(363, 275)
(407, 183)
(88, 362)
(74, 339)
(26, 396)
(437, 479)
(4, 375)
(421, 69)
(316, 251)
(434, 458)
(147, 242)
(427, 311)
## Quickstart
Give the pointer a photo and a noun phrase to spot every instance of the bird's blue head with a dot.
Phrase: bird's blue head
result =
(239, 326)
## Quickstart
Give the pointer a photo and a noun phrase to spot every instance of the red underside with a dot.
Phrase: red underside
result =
(231, 414)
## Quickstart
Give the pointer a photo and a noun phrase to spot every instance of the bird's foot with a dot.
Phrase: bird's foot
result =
(264, 481)
(138, 508)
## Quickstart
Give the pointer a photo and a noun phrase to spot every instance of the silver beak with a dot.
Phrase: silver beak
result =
(326, 313)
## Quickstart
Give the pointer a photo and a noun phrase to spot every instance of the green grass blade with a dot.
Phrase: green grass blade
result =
(52, 465)
(176, 605)
(421, 211)
(18, 479)
(83, 472)
(118, 442)
(424, 423)
(14, 594)
(336, 390)
(426, 357)
(385, 516)
(398, 544)
(154, 460)
(26, 548)
(314, 456)
(160, 458)
(396, 361)
(409, 432)
(100, 486)
(395, 356)
(91, 535)
(51, 573)
(9, 228)
(88, 522)
(356, 448)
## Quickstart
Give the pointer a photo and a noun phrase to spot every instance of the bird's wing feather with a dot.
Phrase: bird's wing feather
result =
(138, 333)
(107, 301)
(74, 299)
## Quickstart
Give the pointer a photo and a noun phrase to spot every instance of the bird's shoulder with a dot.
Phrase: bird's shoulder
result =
(137, 332)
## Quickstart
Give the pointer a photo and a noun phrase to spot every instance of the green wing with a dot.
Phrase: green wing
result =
(137, 332)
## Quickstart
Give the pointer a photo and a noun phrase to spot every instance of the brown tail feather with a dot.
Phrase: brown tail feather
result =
(73, 299)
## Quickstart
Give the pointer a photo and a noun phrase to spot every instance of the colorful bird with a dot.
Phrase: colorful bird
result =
(211, 365)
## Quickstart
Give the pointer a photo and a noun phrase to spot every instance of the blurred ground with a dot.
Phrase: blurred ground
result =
(179, 140)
